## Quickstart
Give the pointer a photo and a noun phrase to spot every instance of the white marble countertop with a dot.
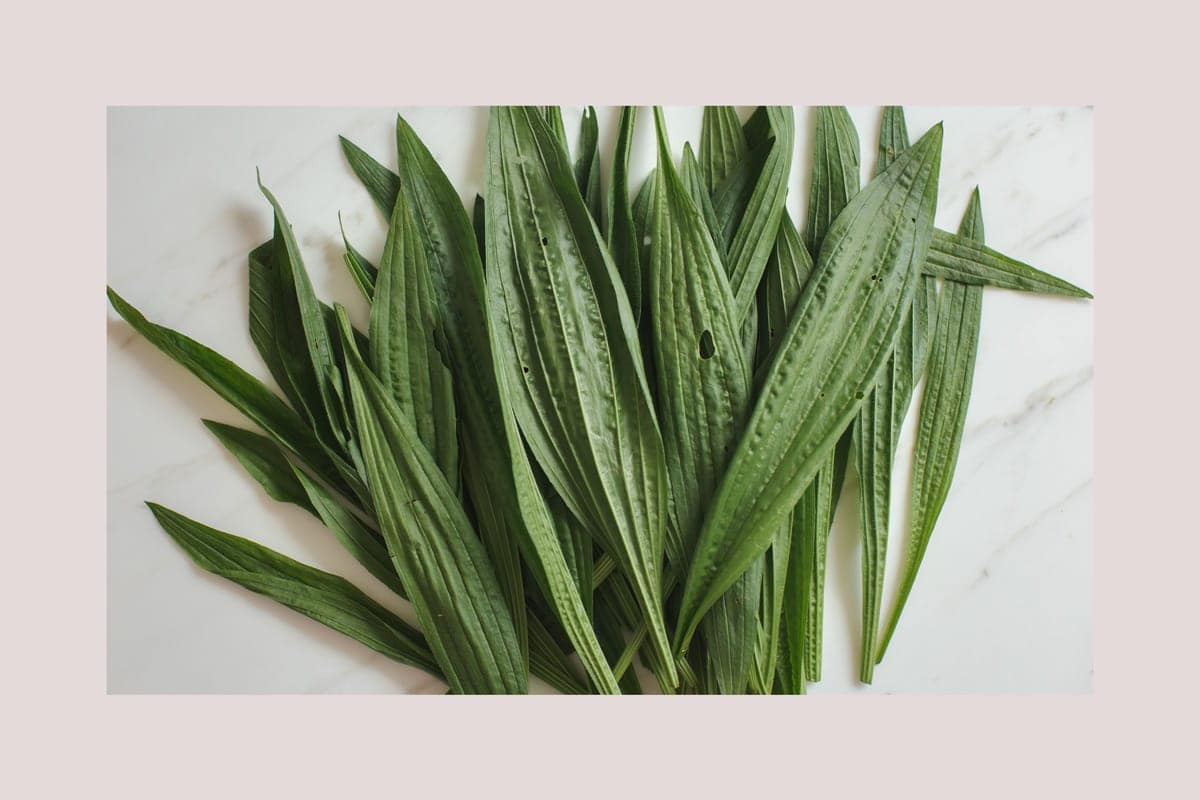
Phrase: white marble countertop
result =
(1004, 600)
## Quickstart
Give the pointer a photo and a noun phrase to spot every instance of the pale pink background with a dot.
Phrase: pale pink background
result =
(1133, 737)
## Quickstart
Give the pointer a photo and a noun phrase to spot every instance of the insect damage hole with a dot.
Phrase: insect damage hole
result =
(707, 346)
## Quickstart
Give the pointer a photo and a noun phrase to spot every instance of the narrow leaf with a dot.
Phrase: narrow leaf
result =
(705, 392)
(622, 236)
(404, 352)
(567, 333)
(328, 599)
(943, 414)
(241, 389)
(959, 259)
(439, 558)
(837, 342)
(587, 165)
(508, 504)
(722, 145)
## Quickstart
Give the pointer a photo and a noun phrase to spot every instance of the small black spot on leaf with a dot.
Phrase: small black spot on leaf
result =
(707, 346)
(547, 241)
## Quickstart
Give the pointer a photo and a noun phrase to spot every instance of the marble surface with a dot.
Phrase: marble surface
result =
(1004, 600)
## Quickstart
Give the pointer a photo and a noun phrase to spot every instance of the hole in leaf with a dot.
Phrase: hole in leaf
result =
(547, 241)
(707, 346)
(525, 369)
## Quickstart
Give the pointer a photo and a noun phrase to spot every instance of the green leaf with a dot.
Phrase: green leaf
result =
(699, 356)
(587, 166)
(456, 274)
(570, 354)
(554, 118)
(642, 207)
(787, 273)
(693, 181)
(380, 182)
(549, 663)
(241, 389)
(722, 145)
(326, 598)
(623, 237)
(943, 414)
(508, 504)
(362, 271)
(264, 461)
(835, 172)
(959, 259)
(751, 246)
(292, 275)
(893, 137)
(404, 352)
(732, 196)
(440, 560)
(877, 428)
(839, 338)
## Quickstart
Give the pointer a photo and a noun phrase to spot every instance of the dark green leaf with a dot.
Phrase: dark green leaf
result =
(326, 598)
(562, 358)
(943, 413)
(441, 562)
(839, 339)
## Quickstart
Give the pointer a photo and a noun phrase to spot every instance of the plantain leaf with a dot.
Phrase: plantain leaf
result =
(568, 348)
(508, 504)
(456, 274)
(440, 560)
(693, 181)
(959, 259)
(834, 181)
(877, 428)
(362, 271)
(310, 323)
(549, 663)
(587, 166)
(835, 172)
(893, 137)
(326, 598)
(706, 382)
(241, 389)
(943, 414)
(751, 246)
(404, 353)
(722, 145)
(623, 238)
(380, 182)
(264, 461)
(846, 324)
(554, 118)
(642, 207)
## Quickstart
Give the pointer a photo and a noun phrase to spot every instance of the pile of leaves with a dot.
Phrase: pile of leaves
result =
(581, 430)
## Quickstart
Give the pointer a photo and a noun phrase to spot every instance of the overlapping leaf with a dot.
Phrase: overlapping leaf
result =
(705, 389)
(326, 598)
(569, 350)
(839, 338)
(441, 562)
